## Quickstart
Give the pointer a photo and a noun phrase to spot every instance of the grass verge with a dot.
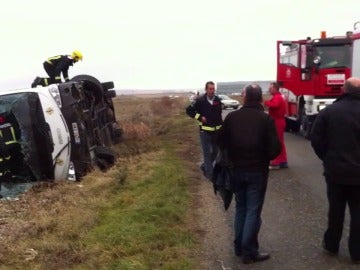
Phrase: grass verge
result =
(135, 216)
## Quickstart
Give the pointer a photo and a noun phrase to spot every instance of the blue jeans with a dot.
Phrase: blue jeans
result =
(249, 189)
(210, 151)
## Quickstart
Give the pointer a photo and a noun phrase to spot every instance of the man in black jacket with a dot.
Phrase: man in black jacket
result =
(207, 111)
(335, 138)
(250, 139)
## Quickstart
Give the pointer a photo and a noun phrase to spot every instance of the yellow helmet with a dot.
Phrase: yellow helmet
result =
(77, 55)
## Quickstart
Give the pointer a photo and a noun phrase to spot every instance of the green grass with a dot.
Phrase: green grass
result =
(146, 225)
(146, 230)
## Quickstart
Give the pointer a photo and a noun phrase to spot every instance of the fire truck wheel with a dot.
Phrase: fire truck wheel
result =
(305, 127)
(287, 125)
(292, 126)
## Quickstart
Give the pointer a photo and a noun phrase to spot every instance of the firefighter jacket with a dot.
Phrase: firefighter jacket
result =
(212, 112)
(60, 64)
(7, 138)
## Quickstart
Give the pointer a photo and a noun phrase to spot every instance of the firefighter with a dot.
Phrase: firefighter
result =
(8, 139)
(57, 65)
(277, 110)
(206, 109)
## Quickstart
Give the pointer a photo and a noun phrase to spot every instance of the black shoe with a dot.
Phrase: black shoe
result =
(328, 251)
(202, 168)
(36, 82)
(238, 253)
(283, 165)
(257, 258)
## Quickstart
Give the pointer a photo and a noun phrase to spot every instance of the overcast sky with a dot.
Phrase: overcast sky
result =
(161, 44)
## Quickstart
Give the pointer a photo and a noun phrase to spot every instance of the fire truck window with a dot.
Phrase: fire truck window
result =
(289, 55)
(334, 56)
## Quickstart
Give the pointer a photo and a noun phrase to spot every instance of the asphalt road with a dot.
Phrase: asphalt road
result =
(294, 219)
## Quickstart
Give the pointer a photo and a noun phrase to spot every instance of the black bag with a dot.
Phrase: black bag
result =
(222, 178)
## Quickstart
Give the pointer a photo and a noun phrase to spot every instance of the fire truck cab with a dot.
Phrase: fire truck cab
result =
(311, 73)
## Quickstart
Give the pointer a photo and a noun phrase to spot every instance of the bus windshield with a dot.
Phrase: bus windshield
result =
(334, 56)
(31, 146)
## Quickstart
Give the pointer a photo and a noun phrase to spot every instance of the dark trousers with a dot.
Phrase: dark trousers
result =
(50, 70)
(250, 189)
(338, 196)
(210, 151)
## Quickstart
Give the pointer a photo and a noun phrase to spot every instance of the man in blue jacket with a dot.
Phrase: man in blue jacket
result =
(335, 138)
(207, 111)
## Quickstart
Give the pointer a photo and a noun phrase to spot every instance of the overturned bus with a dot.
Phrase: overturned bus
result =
(57, 132)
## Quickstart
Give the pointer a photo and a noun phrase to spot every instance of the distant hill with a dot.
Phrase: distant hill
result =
(237, 86)
(150, 91)
(222, 88)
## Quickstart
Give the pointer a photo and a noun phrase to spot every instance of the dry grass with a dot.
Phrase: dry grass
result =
(134, 216)
(147, 117)
(136, 131)
(50, 219)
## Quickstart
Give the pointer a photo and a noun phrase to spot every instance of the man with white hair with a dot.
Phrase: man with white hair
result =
(335, 138)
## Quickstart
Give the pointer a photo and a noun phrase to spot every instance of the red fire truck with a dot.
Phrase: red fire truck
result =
(311, 73)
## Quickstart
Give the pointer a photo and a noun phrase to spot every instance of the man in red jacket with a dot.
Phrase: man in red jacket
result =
(277, 110)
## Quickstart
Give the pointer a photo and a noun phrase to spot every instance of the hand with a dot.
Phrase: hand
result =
(203, 119)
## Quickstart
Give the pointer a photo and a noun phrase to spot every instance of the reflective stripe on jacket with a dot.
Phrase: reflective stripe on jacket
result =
(7, 132)
(203, 108)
